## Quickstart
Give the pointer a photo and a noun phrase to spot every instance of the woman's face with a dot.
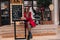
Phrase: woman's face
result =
(27, 9)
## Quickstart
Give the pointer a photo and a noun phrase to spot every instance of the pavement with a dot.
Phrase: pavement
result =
(53, 37)
(39, 29)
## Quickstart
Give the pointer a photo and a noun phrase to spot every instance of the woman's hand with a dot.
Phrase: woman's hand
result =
(23, 18)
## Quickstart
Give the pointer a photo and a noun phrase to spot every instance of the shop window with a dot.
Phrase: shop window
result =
(40, 10)
(5, 12)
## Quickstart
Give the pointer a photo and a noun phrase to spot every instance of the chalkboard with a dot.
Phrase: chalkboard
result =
(16, 12)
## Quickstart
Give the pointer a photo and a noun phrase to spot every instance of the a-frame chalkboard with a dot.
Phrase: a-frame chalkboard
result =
(16, 12)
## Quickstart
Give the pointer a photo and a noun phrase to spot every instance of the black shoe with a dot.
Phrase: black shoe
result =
(29, 35)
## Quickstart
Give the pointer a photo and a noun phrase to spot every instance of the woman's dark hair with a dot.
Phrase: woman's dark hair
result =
(24, 9)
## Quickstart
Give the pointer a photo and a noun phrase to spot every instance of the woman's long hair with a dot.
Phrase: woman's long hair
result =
(26, 9)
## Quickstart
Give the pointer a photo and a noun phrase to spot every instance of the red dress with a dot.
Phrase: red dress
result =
(29, 19)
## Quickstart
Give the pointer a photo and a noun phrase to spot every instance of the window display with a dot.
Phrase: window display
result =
(27, 3)
(5, 12)
(47, 14)
(34, 3)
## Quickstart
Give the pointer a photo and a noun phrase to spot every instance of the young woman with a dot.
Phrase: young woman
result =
(30, 21)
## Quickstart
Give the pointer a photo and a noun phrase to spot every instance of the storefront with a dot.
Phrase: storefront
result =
(33, 3)
(48, 17)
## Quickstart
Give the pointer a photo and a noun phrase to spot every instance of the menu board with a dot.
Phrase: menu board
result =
(16, 12)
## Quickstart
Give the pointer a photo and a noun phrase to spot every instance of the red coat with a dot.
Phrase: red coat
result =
(29, 19)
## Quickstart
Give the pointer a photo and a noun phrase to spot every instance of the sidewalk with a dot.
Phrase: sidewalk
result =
(7, 31)
(39, 30)
(53, 37)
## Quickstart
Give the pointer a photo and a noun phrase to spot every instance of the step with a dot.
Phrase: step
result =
(20, 39)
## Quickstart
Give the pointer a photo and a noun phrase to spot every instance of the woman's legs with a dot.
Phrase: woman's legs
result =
(29, 28)
(29, 31)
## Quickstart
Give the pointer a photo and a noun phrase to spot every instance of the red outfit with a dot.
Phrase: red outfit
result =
(29, 19)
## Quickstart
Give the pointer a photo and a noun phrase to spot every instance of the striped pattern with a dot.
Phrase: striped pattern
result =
(52, 37)
(40, 30)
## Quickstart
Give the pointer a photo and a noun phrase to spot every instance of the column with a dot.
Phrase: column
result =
(56, 21)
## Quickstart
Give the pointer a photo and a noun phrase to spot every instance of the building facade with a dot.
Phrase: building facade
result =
(54, 13)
